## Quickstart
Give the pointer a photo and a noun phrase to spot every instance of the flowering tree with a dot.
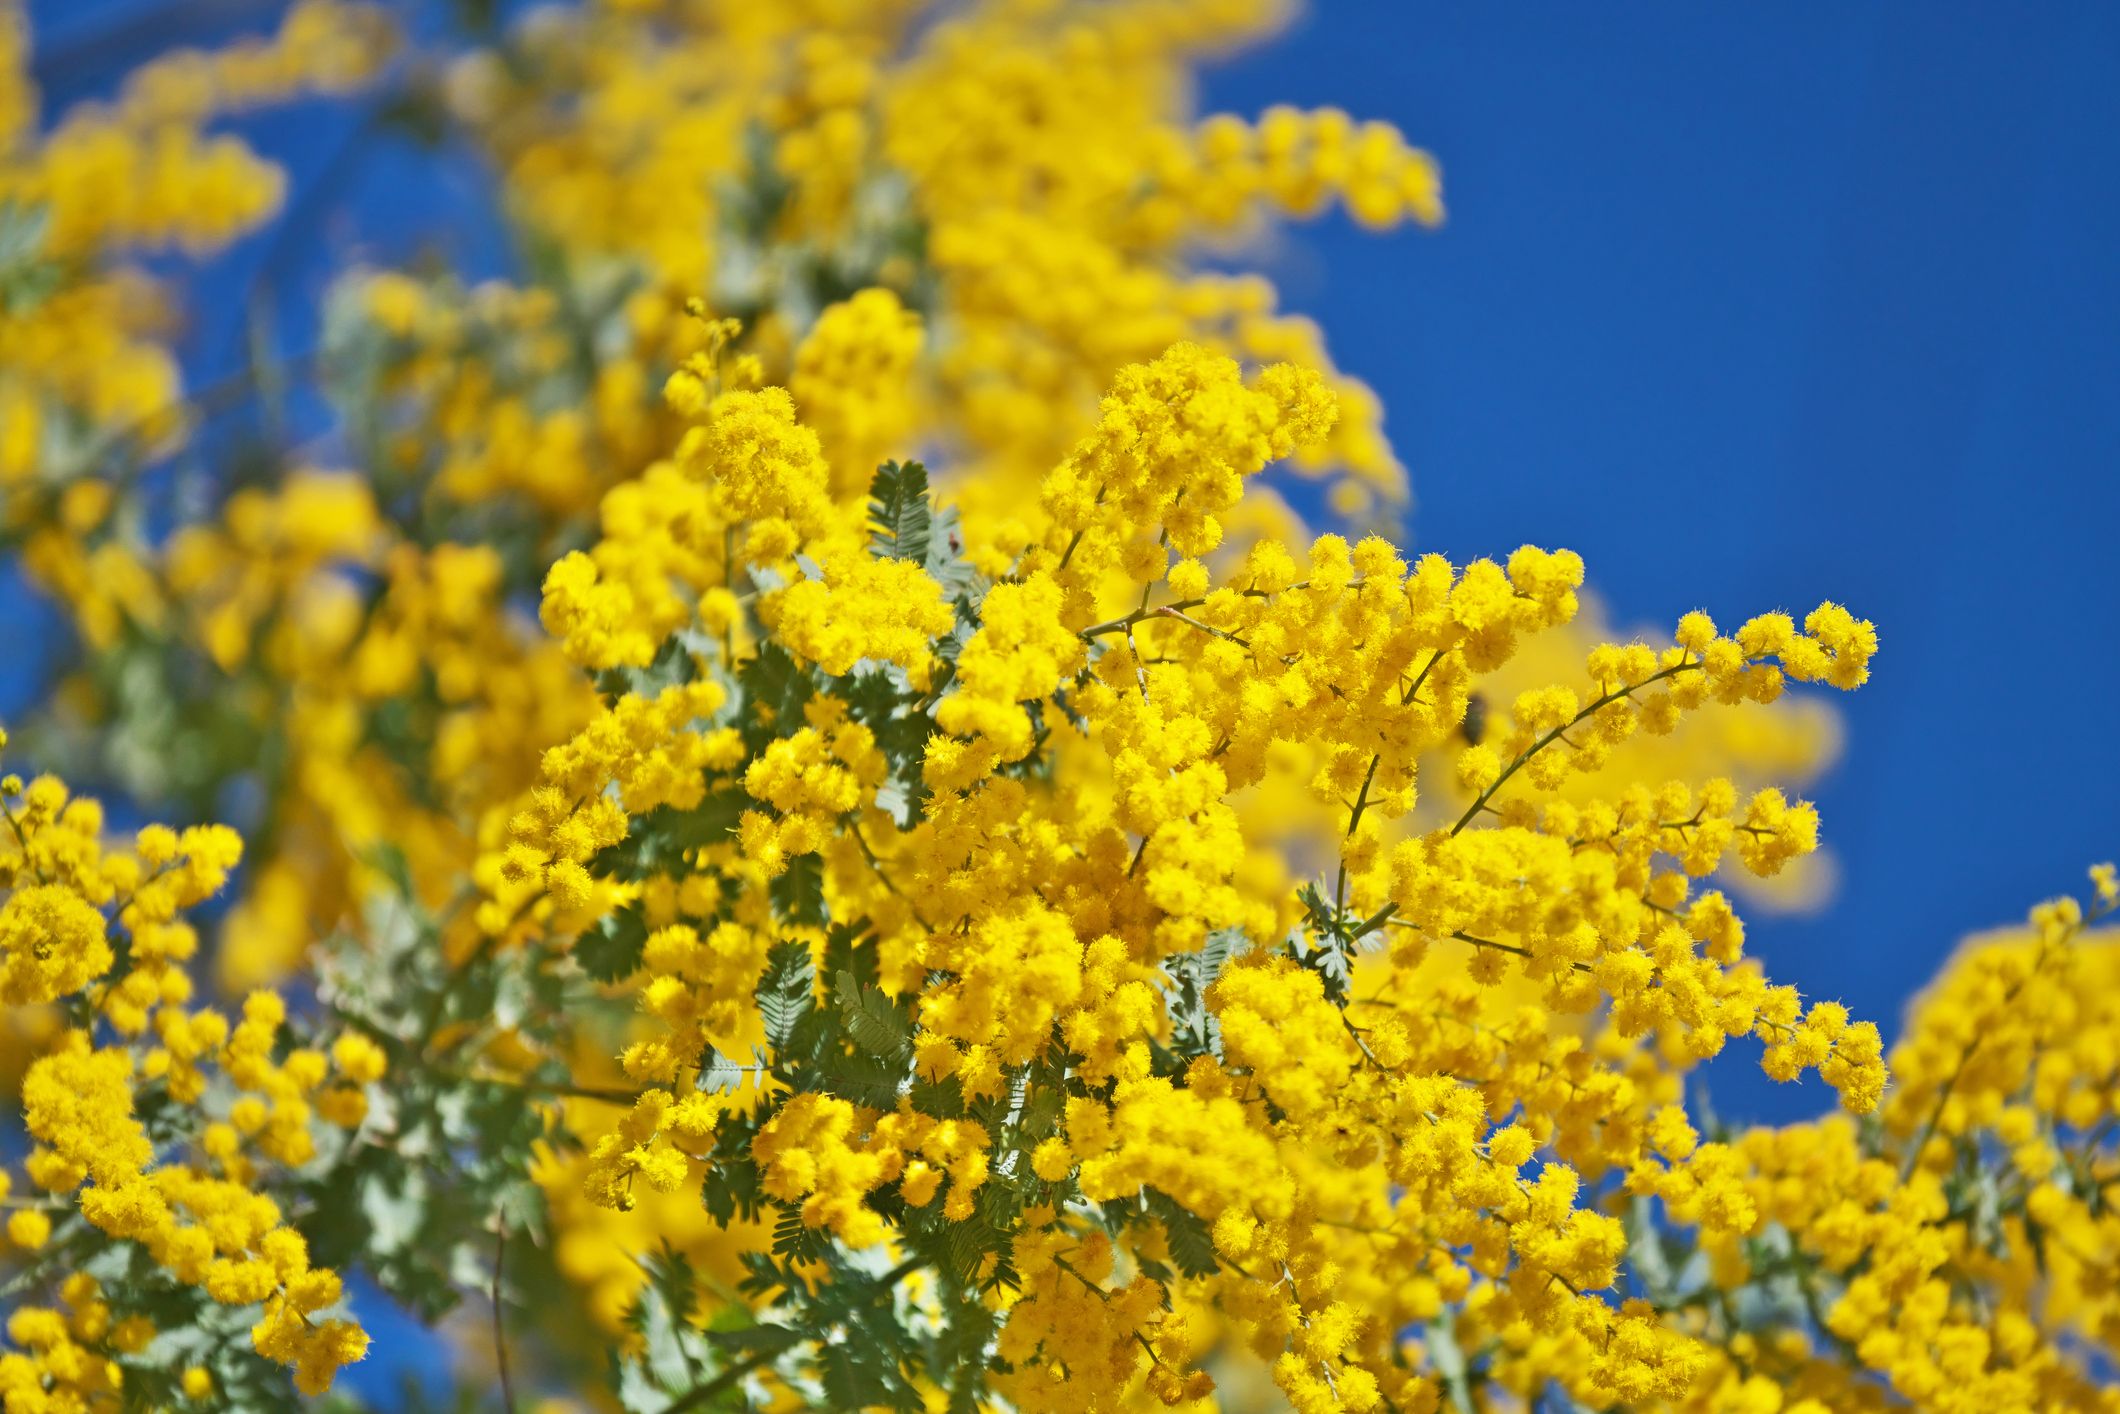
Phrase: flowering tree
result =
(780, 926)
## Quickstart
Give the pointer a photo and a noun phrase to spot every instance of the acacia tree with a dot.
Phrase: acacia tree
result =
(820, 836)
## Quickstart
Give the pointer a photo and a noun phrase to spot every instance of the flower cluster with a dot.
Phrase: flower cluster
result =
(236, 1109)
(786, 926)
(1060, 1015)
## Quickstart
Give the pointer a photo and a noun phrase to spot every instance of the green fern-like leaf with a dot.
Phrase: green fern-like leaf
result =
(873, 1019)
(719, 1075)
(899, 515)
(775, 689)
(784, 990)
(796, 1240)
(1192, 1246)
(797, 893)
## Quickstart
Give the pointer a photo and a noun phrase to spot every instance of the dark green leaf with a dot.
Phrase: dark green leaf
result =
(611, 950)
(941, 1099)
(754, 1339)
(864, 1079)
(796, 1240)
(798, 893)
(877, 1024)
(657, 842)
(843, 952)
(775, 689)
(881, 700)
(731, 1188)
(1192, 1247)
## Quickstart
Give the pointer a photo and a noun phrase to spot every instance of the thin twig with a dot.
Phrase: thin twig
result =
(500, 1336)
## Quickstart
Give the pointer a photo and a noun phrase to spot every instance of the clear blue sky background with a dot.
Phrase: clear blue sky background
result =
(1750, 305)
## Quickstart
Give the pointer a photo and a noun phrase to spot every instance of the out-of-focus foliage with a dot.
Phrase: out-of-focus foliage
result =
(819, 836)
